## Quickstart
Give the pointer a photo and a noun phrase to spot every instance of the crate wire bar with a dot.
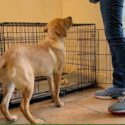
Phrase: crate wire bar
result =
(80, 62)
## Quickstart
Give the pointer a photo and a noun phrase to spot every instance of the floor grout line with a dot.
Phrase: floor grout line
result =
(87, 108)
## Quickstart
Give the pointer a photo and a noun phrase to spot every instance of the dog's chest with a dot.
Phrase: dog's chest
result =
(54, 57)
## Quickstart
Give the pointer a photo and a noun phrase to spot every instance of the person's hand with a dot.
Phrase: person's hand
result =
(94, 1)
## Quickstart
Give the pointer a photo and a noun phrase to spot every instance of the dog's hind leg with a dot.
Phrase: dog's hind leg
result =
(51, 86)
(5, 102)
(27, 94)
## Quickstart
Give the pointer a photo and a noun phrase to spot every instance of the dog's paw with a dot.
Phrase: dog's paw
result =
(59, 104)
(64, 81)
(13, 118)
(39, 121)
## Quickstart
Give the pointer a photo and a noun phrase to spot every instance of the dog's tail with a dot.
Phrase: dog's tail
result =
(3, 64)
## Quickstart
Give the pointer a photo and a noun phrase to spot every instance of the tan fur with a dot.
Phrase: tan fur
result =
(19, 66)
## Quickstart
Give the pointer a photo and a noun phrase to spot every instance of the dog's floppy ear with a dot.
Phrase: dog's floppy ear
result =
(60, 30)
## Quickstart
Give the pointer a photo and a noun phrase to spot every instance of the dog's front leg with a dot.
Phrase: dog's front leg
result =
(57, 78)
(51, 87)
(5, 102)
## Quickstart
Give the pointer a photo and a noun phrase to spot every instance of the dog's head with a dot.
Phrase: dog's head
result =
(58, 27)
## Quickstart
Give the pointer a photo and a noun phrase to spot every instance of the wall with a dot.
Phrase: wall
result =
(82, 11)
(44, 10)
(30, 10)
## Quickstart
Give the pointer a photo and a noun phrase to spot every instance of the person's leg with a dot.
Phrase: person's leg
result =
(112, 17)
(111, 11)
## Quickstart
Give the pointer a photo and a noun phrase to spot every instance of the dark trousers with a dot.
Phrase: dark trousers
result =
(111, 11)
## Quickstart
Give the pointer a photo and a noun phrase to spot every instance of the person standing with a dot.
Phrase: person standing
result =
(112, 15)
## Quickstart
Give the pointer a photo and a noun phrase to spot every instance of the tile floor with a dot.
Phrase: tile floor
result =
(80, 107)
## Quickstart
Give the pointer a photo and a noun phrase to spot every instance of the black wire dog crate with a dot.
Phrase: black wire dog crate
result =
(80, 62)
(104, 67)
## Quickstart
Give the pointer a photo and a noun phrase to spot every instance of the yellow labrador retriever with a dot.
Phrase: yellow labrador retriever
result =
(20, 65)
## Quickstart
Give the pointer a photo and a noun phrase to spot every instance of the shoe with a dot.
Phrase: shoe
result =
(111, 93)
(117, 107)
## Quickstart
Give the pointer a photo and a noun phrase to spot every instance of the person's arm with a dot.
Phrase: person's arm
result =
(94, 1)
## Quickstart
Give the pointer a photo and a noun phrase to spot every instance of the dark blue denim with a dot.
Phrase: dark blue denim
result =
(112, 11)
